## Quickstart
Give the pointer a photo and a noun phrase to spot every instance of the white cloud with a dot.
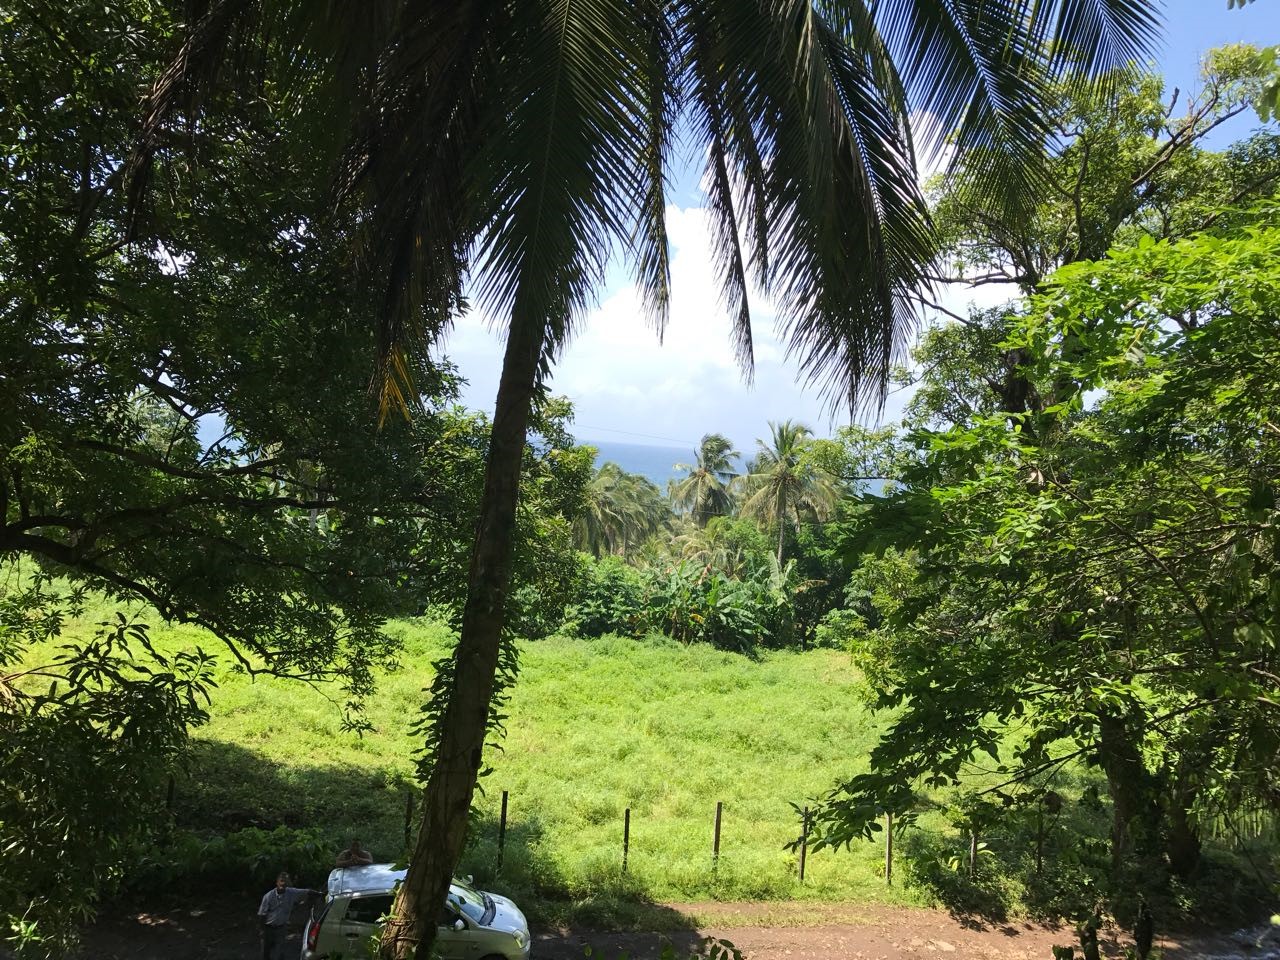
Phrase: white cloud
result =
(627, 386)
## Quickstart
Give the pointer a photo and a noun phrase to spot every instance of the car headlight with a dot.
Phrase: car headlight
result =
(519, 938)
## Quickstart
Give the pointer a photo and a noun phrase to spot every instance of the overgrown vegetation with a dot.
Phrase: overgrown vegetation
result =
(1056, 577)
(1080, 548)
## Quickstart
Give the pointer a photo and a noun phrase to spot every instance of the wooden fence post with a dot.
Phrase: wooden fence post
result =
(804, 842)
(715, 845)
(626, 838)
(888, 849)
(502, 829)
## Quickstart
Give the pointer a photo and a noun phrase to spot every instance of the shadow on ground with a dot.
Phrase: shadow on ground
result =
(237, 819)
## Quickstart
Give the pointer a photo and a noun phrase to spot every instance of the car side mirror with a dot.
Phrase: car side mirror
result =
(459, 924)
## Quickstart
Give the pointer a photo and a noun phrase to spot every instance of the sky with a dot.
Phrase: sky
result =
(627, 386)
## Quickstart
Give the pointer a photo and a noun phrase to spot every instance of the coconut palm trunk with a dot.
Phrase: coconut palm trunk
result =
(449, 790)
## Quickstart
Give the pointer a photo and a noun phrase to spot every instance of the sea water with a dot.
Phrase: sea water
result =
(657, 463)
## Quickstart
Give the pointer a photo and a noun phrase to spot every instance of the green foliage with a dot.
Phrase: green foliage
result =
(246, 860)
(555, 478)
(1130, 162)
(88, 737)
(1058, 549)
(1098, 573)
(611, 599)
(187, 423)
(690, 603)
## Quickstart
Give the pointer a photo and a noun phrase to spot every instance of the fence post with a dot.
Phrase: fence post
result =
(715, 846)
(804, 842)
(626, 838)
(502, 829)
(973, 850)
(888, 849)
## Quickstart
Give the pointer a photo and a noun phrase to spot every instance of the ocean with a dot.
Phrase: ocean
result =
(654, 462)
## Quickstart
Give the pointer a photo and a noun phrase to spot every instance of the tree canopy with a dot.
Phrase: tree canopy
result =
(187, 426)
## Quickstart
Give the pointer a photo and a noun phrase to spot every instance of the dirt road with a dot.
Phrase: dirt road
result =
(787, 931)
(792, 931)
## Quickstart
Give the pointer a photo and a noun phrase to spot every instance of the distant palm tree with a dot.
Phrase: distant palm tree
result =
(600, 517)
(621, 510)
(713, 548)
(521, 145)
(704, 492)
(783, 485)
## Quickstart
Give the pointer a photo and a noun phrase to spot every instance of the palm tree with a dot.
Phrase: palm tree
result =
(622, 509)
(644, 509)
(520, 143)
(783, 486)
(704, 491)
(595, 528)
(711, 548)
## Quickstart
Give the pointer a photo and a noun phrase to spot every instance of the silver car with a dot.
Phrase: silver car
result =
(473, 925)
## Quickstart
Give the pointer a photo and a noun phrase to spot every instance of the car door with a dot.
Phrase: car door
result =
(454, 944)
(360, 922)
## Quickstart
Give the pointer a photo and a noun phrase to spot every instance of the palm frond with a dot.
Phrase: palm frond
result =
(559, 169)
(707, 72)
(847, 229)
(406, 164)
(650, 247)
(1096, 38)
(977, 71)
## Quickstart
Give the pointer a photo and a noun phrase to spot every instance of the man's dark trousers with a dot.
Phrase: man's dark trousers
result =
(273, 942)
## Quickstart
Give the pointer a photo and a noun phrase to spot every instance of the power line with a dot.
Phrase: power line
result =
(648, 436)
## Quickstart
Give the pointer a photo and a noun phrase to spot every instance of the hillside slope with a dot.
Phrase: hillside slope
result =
(595, 727)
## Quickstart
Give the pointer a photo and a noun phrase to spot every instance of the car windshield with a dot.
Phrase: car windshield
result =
(475, 905)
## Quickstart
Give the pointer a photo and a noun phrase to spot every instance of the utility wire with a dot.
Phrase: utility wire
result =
(628, 433)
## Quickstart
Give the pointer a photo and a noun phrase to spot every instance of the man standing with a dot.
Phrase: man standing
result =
(273, 914)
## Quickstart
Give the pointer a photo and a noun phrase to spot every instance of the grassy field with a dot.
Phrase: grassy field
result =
(595, 727)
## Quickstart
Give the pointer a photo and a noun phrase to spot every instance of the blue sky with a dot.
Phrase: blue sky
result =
(627, 387)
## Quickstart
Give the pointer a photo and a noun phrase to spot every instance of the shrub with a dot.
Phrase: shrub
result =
(611, 600)
(244, 860)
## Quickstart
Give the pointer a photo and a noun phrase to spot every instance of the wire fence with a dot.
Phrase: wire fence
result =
(1233, 829)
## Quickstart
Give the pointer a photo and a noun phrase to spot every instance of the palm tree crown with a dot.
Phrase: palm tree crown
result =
(704, 491)
(518, 143)
(621, 510)
(784, 486)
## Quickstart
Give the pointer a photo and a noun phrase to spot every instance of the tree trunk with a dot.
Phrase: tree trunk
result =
(1125, 770)
(1136, 813)
(1182, 845)
(449, 789)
